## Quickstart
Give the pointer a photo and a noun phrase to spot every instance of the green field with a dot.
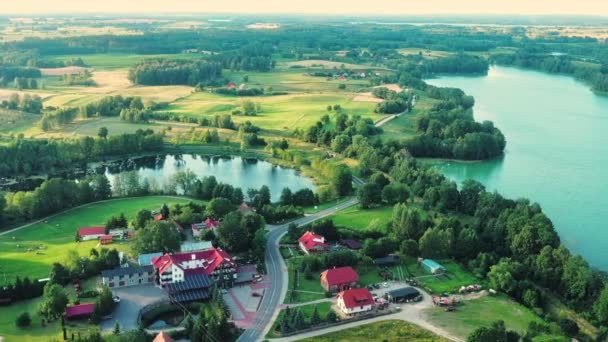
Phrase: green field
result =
(472, 314)
(363, 219)
(404, 127)
(454, 278)
(390, 331)
(55, 236)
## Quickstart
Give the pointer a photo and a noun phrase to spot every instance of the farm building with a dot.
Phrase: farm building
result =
(432, 266)
(355, 301)
(106, 239)
(91, 233)
(403, 294)
(79, 311)
(146, 259)
(244, 209)
(339, 279)
(196, 246)
(215, 263)
(231, 85)
(128, 276)
(312, 243)
(388, 260)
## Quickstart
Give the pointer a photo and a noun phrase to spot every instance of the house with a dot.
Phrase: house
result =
(312, 243)
(162, 337)
(215, 263)
(146, 259)
(404, 294)
(194, 287)
(339, 279)
(106, 239)
(159, 217)
(231, 85)
(243, 86)
(79, 311)
(244, 209)
(388, 260)
(196, 246)
(201, 228)
(432, 266)
(342, 78)
(351, 244)
(355, 301)
(91, 233)
(128, 276)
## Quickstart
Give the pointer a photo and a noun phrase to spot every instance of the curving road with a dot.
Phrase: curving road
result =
(277, 272)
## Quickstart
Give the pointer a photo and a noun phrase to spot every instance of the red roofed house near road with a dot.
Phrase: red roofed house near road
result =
(311, 243)
(209, 224)
(91, 233)
(106, 239)
(79, 311)
(215, 263)
(339, 279)
(162, 337)
(355, 301)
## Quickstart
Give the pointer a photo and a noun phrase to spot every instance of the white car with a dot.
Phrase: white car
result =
(385, 284)
(116, 299)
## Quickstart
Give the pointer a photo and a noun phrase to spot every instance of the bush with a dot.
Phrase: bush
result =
(89, 294)
(569, 327)
(23, 320)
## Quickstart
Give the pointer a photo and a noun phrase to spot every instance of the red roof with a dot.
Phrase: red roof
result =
(106, 237)
(231, 85)
(79, 310)
(244, 208)
(158, 217)
(311, 240)
(340, 275)
(356, 297)
(211, 223)
(162, 337)
(101, 230)
(210, 258)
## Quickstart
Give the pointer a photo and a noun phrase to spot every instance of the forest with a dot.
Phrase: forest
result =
(175, 72)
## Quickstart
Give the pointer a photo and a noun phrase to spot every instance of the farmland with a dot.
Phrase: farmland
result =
(31, 251)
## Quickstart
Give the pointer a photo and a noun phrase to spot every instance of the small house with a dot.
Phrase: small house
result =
(244, 209)
(231, 85)
(342, 78)
(388, 260)
(432, 266)
(355, 301)
(146, 259)
(91, 233)
(79, 311)
(200, 228)
(162, 337)
(196, 246)
(312, 243)
(106, 239)
(339, 279)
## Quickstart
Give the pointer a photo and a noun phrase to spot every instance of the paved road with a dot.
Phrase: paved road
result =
(277, 273)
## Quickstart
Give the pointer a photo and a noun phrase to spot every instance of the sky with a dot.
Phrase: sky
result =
(332, 7)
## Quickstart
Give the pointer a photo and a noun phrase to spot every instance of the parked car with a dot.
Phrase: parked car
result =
(376, 286)
(385, 284)
(116, 299)
(256, 294)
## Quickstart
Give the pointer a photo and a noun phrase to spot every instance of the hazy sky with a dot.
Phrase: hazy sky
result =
(405, 7)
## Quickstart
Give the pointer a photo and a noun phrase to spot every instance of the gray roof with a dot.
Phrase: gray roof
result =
(404, 292)
(196, 246)
(191, 282)
(390, 259)
(117, 272)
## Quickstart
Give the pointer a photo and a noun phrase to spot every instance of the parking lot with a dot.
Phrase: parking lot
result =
(132, 300)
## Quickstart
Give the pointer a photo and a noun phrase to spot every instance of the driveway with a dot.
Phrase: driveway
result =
(132, 300)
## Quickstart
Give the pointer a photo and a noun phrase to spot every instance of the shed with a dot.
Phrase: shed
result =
(402, 294)
(79, 311)
(105, 239)
(386, 261)
(432, 266)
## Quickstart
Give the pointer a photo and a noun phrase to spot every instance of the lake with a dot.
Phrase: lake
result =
(557, 150)
(236, 171)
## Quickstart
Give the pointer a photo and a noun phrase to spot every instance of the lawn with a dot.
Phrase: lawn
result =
(404, 127)
(36, 332)
(56, 235)
(454, 278)
(363, 219)
(390, 330)
(323, 309)
(472, 314)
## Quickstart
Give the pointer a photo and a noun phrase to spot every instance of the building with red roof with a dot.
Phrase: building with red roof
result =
(201, 228)
(245, 209)
(312, 243)
(231, 85)
(215, 263)
(162, 337)
(91, 233)
(106, 239)
(79, 311)
(355, 301)
(339, 279)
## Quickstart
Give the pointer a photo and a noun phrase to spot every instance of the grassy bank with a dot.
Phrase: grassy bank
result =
(391, 330)
(31, 251)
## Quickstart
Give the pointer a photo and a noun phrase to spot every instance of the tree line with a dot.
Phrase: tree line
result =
(176, 72)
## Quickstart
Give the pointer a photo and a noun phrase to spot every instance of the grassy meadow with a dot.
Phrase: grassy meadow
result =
(390, 330)
(31, 250)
